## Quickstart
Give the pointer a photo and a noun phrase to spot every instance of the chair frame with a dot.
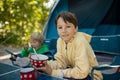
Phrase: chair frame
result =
(106, 66)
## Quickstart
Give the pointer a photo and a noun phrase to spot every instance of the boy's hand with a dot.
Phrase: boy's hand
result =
(29, 56)
(47, 69)
(26, 46)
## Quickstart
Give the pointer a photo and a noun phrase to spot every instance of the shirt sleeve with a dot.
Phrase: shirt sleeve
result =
(59, 62)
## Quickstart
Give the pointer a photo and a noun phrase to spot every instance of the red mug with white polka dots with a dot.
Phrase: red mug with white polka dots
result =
(28, 74)
(38, 60)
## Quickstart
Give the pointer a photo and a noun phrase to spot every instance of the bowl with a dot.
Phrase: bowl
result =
(38, 61)
(27, 74)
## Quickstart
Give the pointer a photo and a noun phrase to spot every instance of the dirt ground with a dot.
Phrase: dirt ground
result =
(5, 55)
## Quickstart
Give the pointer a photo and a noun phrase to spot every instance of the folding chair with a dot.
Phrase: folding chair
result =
(14, 60)
(52, 46)
(115, 64)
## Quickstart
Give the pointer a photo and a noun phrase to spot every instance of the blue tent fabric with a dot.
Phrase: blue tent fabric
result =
(106, 44)
(113, 14)
(107, 30)
(89, 12)
(106, 38)
(99, 18)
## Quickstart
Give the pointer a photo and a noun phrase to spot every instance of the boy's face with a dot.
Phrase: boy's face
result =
(66, 30)
(34, 43)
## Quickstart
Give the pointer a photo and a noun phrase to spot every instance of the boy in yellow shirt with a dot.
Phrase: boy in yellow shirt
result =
(75, 57)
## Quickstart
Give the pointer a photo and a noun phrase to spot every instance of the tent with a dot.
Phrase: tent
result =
(99, 18)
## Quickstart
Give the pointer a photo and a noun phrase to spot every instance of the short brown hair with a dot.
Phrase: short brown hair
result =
(67, 16)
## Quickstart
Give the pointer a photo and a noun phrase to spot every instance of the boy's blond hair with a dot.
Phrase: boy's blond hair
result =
(37, 36)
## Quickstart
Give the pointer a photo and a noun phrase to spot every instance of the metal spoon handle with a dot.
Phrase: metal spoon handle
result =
(35, 53)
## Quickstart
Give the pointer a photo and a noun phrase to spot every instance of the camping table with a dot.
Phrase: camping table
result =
(9, 72)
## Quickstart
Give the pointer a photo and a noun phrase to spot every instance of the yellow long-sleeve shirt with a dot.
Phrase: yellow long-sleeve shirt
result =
(78, 55)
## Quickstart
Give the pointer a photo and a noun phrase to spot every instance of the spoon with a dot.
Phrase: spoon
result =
(35, 53)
